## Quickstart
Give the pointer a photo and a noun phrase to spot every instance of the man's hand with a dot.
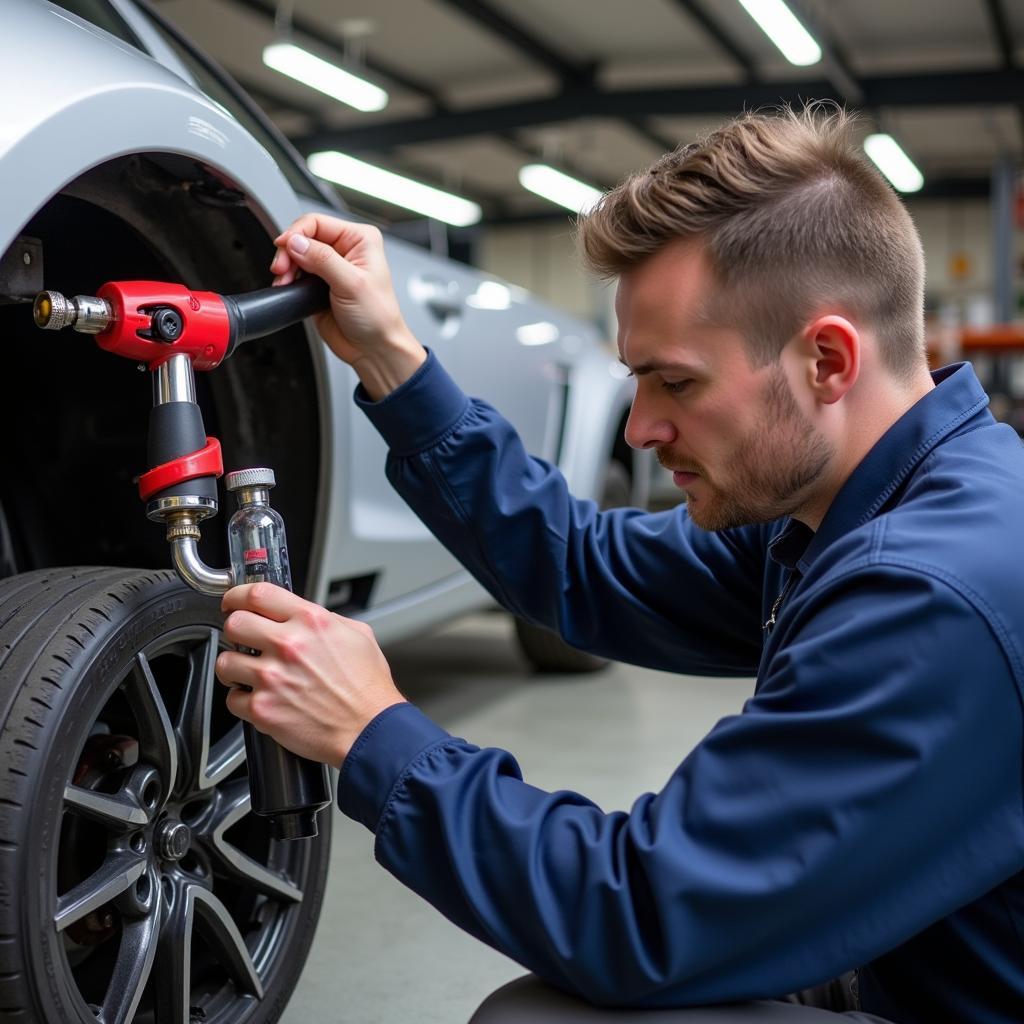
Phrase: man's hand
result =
(364, 326)
(319, 681)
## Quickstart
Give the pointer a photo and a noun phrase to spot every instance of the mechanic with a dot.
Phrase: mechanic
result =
(852, 534)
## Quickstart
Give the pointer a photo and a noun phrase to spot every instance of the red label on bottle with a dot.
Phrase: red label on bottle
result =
(255, 555)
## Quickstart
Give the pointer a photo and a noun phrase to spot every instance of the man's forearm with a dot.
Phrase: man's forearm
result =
(389, 366)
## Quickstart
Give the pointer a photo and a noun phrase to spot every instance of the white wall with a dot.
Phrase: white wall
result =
(542, 257)
(952, 232)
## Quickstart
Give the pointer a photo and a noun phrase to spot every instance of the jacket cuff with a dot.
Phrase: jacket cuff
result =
(419, 411)
(379, 757)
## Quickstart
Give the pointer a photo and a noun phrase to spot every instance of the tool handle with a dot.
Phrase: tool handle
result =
(256, 314)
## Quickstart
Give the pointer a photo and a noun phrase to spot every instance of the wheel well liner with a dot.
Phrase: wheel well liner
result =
(76, 423)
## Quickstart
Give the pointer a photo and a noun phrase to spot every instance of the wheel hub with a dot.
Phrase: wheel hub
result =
(173, 839)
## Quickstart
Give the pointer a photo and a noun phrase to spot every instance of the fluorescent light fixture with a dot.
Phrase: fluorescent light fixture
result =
(558, 188)
(328, 78)
(781, 26)
(393, 188)
(889, 158)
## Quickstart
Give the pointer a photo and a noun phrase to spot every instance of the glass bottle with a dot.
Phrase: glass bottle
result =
(286, 788)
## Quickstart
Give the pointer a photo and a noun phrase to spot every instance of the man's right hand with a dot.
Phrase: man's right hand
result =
(364, 326)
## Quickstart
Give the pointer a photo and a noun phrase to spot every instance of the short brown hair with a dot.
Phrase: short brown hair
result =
(791, 215)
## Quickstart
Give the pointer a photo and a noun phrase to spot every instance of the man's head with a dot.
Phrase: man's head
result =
(774, 263)
(790, 214)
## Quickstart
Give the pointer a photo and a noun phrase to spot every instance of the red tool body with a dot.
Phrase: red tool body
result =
(205, 332)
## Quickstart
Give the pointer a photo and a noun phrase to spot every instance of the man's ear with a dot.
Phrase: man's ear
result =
(829, 348)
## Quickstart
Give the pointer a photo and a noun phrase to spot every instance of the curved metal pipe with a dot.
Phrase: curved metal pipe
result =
(195, 572)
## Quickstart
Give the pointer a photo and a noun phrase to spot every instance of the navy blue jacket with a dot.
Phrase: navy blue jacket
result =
(865, 808)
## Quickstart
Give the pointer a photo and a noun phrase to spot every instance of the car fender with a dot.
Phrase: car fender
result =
(101, 99)
(599, 401)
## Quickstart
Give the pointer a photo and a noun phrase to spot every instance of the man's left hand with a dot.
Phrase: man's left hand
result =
(319, 681)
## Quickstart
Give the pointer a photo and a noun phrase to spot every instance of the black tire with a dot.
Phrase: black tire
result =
(113, 735)
(544, 649)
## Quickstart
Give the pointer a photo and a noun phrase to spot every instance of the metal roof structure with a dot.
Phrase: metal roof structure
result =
(602, 87)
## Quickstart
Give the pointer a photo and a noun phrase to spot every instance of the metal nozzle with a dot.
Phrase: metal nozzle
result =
(85, 313)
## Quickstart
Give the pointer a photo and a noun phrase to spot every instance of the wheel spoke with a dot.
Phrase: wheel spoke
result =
(117, 873)
(134, 963)
(119, 812)
(234, 803)
(225, 756)
(193, 905)
(224, 938)
(209, 764)
(173, 969)
(157, 743)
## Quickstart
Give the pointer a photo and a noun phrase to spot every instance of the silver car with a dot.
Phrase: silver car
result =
(135, 884)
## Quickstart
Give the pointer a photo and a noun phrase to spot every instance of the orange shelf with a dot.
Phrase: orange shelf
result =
(1002, 338)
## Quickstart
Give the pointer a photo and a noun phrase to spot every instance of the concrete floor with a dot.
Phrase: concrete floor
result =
(382, 955)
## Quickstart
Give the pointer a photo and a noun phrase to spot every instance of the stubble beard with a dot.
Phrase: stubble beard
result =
(771, 470)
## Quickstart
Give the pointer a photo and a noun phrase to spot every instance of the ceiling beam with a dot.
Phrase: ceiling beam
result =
(1001, 30)
(953, 89)
(834, 61)
(725, 42)
(1004, 41)
(529, 46)
(325, 38)
(571, 74)
(574, 76)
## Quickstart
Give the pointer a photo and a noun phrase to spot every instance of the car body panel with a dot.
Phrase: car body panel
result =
(100, 99)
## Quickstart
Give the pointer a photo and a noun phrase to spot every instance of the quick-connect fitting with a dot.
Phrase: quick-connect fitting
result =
(88, 314)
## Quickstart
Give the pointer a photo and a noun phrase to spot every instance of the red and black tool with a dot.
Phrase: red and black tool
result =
(174, 331)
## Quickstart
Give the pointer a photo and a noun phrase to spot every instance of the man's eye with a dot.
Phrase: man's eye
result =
(675, 386)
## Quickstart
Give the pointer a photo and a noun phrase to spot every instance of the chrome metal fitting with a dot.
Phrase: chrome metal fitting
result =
(199, 508)
(88, 314)
(183, 529)
(258, 477)
(183, 533)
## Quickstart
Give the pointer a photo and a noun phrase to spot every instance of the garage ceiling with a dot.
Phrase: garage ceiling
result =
(602, 87)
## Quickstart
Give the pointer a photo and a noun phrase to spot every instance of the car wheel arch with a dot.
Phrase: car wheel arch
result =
(156, 216)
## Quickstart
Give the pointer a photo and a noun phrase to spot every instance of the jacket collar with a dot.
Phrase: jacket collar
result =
(957, 397)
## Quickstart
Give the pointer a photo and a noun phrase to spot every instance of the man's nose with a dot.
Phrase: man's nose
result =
(645, 428)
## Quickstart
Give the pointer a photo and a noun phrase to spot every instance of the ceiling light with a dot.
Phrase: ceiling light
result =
(328, 78)
(393, 188)
(558, 188)
(780, 25)
(889, 158)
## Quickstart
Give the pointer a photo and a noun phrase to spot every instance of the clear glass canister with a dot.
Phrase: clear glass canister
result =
(256, 537)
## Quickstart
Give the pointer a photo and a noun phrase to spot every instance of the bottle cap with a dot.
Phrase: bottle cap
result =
(259, 477)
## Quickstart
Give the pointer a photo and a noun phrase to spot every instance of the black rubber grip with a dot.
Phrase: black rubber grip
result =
(284, 787)
(176, 429)
(257, 314)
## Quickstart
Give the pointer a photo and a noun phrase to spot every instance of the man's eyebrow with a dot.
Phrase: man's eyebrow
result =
(656, 367)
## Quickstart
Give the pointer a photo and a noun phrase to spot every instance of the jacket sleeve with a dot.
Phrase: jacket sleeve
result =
(849, 806)
(649, 589)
